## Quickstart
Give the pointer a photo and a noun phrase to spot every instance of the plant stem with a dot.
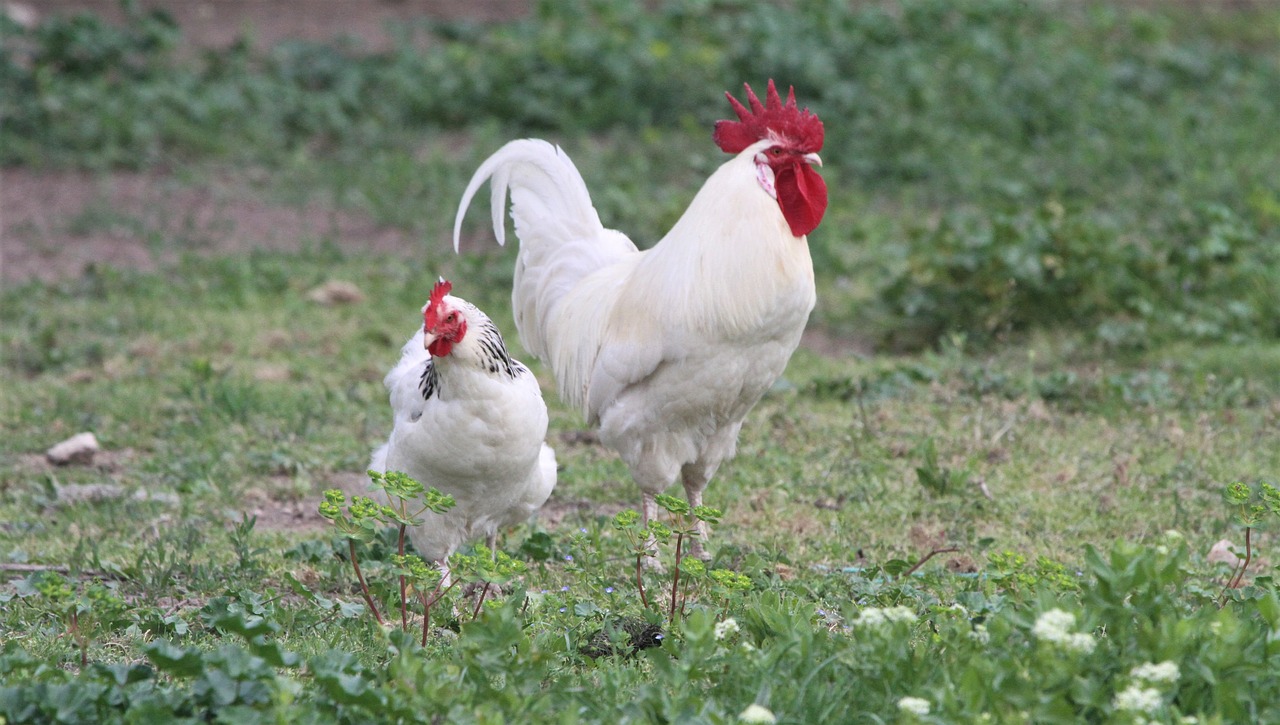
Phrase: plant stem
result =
(684, 598)
(1237, 574)
(428, 602)
(426, 617)
(80, 639)
(930, 555)
(640, 581)
(364, 588)
(1248, 555)
(480, 601)
(404, 605)
(675, 581)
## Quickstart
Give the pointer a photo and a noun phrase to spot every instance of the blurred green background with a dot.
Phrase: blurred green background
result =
(1106, 171)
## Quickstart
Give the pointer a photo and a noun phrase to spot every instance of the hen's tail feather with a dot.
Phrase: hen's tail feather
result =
(561, 237)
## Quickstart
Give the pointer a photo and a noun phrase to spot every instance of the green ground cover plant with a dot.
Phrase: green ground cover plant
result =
(1055, 224)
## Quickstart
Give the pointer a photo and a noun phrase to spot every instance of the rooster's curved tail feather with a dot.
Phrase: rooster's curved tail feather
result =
(561, 237)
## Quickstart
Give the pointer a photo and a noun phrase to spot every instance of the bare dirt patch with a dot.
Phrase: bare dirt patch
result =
(104, 461)
(555, 512)
(218, 23)
(303, 515)
(56, 223)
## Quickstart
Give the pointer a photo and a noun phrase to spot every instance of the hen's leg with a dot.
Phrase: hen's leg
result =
(649, 512)
(695, 479)
(446, 577)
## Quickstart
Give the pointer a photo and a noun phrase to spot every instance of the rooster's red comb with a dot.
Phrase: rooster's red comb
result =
(431, 315)
(771, 118)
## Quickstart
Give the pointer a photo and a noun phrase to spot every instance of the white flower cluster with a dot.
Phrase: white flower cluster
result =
(757, 715)
(1144, 695)
(875, 617)
(1136, 698)
(1164, 673)
(727, 628)
(980, 634)
(1055, 626)
(914, 706)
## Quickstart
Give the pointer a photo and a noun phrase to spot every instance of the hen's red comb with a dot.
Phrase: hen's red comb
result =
(430, 316)
(801, 128)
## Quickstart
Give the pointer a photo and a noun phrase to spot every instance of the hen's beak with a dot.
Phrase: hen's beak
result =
(812, 159)
(428, 338)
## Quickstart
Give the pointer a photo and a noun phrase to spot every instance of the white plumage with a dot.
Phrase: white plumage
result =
(665, 350)
(469, 421)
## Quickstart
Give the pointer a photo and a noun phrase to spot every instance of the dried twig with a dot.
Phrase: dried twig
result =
(60, 569)
(930, 555)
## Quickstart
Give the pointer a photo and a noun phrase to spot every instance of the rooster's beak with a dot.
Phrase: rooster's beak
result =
(813, 159)
(428, 338)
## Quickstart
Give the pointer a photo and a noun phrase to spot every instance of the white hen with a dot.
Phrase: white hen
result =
(666, 350)
(470, 422)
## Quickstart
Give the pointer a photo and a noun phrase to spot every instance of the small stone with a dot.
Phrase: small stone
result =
(1221, 553)
(336, 292)
(22, 15)
(73, 494)
(78, 449)
(272, 373)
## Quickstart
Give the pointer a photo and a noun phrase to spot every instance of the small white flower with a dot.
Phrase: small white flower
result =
(1156, 674)
(914, 705)
(726, 628)
(757, 715)
(900, 614)
(1136, 698)
(874, 617)
(1080, 642)
(1054, 625)
(980, 634)
(1189, 720)
(870, 617)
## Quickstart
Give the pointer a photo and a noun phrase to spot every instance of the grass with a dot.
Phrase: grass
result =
(1051, 431)
(1075, 452)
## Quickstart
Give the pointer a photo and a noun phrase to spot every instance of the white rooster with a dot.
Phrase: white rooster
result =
(469, 421)
(666, 350)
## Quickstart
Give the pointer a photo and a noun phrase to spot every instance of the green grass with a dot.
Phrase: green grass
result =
(1074, 450)
(1056, 224)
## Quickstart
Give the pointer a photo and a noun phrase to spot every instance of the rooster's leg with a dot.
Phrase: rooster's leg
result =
(694, 481)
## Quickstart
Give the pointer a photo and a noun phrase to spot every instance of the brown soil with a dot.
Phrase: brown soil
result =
(55, 223)
(218, 23)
